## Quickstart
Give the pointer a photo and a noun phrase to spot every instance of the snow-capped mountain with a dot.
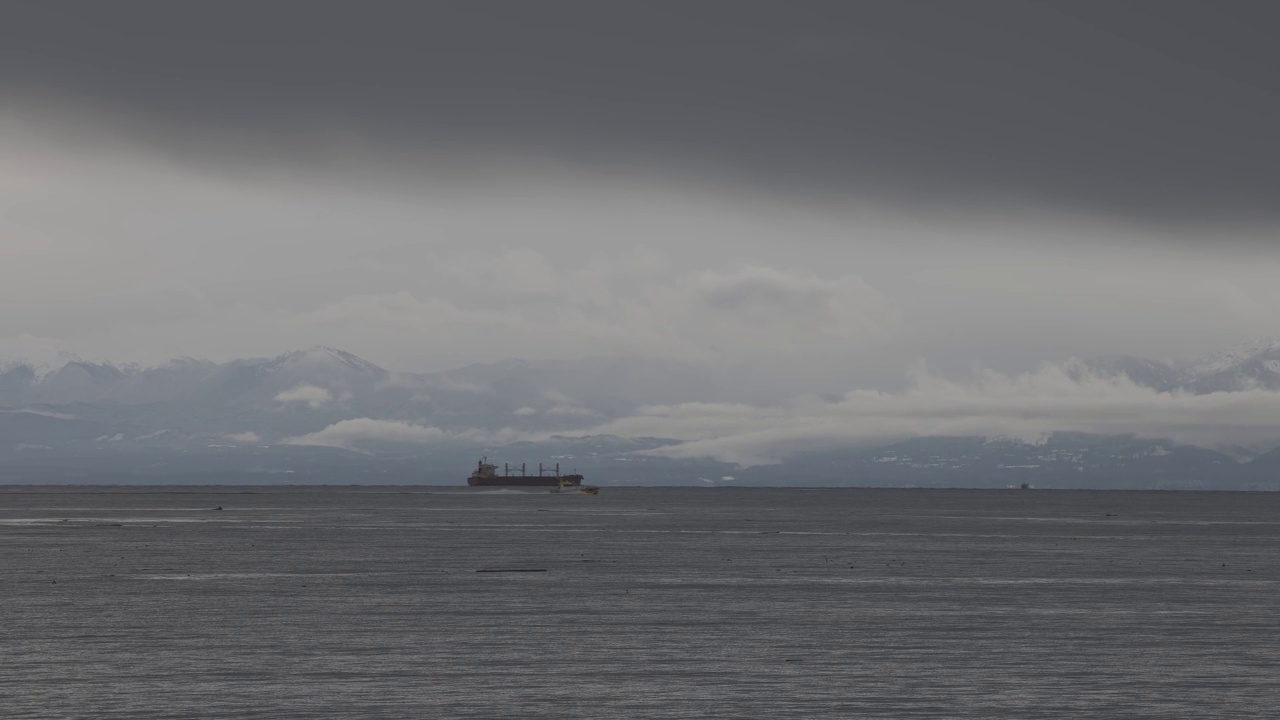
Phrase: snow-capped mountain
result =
(170, 382)
(1240, 367)
(74, 381)
(292, 410)
(303, 392)
(1157, 374)
(185, 379)
(313, 377)
(590, 387)
(1254, 364)
(298, 409)
(323, 377)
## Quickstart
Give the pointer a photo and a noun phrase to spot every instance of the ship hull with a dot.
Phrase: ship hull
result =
(525, 481)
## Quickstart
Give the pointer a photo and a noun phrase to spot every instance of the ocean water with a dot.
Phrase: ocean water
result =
(637, 603)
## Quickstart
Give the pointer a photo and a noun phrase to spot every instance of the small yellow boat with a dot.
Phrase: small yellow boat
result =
(568, 487)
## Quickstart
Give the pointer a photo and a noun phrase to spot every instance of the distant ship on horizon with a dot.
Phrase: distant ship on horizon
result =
(486, 474)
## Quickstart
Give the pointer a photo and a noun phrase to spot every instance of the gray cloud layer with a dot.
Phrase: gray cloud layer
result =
(1162, 110)
(822, 191)
(112, 253)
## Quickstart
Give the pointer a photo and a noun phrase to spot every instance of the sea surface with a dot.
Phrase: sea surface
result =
(424, 602)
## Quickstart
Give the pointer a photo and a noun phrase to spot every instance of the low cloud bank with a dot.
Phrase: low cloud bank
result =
(42, 413)
(1058, 397)
(351, 434)
(311, 395)
(248, 437)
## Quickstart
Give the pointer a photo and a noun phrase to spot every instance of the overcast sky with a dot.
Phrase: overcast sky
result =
(833, 189)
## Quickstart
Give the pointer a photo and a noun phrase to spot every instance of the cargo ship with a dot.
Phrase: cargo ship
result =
(486, 474)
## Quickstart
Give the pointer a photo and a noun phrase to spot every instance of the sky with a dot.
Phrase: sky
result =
(833, 191)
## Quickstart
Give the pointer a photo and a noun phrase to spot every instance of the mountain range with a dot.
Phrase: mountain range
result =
(325, 415)
(1241, 367)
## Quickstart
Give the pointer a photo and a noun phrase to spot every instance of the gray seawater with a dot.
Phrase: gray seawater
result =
(650, 603)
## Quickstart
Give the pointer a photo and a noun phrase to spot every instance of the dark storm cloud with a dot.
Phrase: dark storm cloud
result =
(1159, 111)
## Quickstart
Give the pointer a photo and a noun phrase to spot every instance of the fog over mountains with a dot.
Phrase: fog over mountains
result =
(325, 415)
